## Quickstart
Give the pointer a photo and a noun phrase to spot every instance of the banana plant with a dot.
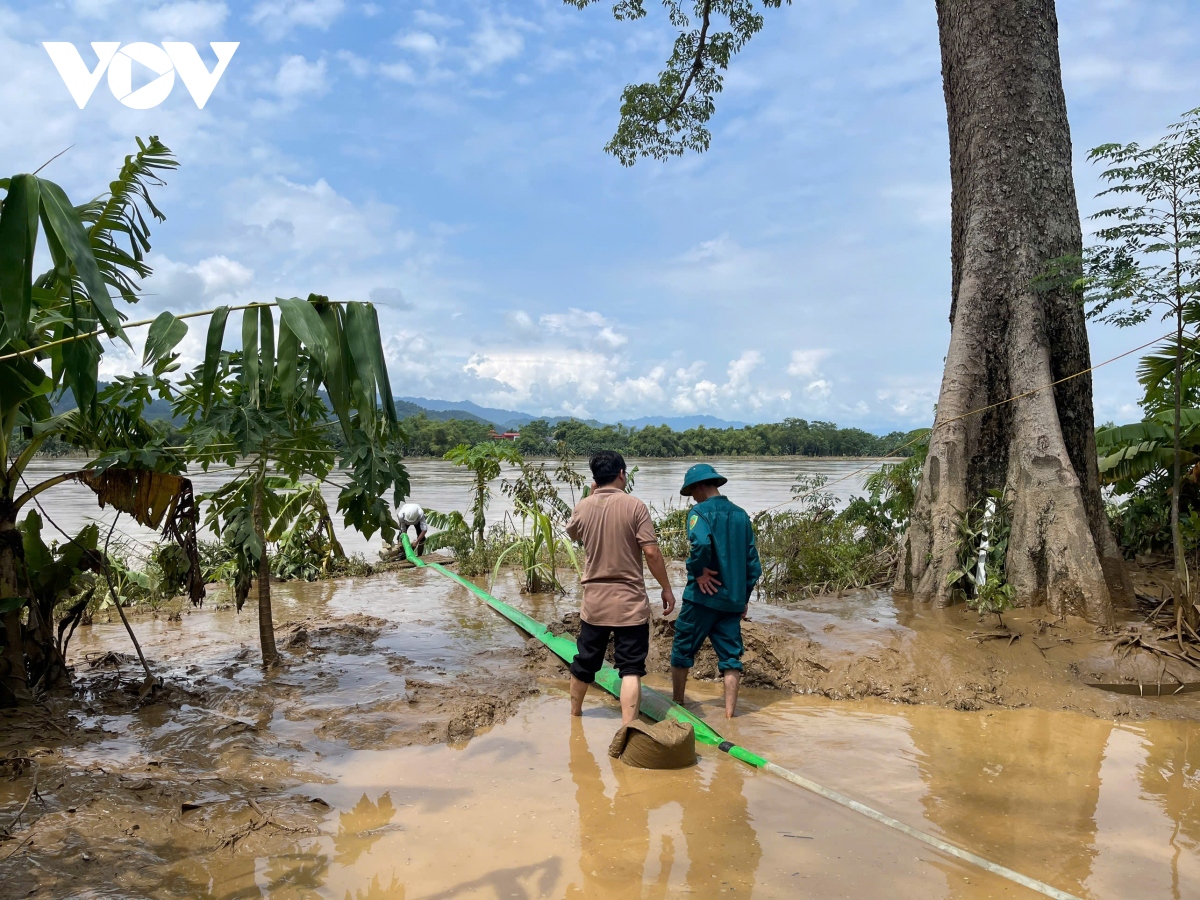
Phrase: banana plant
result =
(484, 462)
(538, 550)
(52, 329)
(1130, 453)
(303, 401)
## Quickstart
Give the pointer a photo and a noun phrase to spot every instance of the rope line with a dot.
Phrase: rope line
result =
(891, 454)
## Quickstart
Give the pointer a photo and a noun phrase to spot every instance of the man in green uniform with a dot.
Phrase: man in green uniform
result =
(722, 570)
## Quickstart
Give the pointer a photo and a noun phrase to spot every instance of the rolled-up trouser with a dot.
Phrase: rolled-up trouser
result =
(631, 643)
(723, 629)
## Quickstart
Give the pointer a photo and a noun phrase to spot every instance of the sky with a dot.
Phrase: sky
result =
(445, 161)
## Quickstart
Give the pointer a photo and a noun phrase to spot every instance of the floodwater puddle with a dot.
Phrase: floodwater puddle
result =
(414, 748)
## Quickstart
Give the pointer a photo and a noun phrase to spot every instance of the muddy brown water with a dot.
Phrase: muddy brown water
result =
(413, 748)
(754, 482)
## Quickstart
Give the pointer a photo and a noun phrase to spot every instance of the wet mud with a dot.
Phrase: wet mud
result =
(416, 745)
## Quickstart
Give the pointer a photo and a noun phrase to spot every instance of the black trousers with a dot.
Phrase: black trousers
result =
(631, 645)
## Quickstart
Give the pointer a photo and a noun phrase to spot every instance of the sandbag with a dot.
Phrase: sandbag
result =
(668, 744)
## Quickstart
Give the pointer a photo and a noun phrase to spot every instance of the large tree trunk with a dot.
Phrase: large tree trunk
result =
(1013, 211)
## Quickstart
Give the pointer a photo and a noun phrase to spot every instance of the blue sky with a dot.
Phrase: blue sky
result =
(444, 159)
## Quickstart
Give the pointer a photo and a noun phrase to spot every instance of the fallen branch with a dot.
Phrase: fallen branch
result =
(32, 791)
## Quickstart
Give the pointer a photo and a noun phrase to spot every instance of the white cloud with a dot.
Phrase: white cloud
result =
(819, 390)
(806, 363)
(740, 369)
(389, 296)
(535, 375)
(278, 18)
(297, 77)
(492, 44)
(197, 18)
(427, 19)
(359, 66)
(398, 71)
(420, 42)
(310, 223)
(910, 398)
(221, 274)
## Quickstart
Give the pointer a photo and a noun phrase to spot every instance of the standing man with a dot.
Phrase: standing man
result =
(412, 516)
(722, 570)
(615, 530)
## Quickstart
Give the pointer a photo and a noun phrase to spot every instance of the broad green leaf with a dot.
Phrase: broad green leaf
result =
(165, 334)
(22, 379)
(81, 359)
(11, 604)
(337, 368)
(362, 356)
(305, 323)
(382, 379)
(266, 331)
(212, 355)
(250, 353)
(60, 218)
(18, 238)
(289, 362)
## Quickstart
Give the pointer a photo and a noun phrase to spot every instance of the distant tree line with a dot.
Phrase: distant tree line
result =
(791, 437)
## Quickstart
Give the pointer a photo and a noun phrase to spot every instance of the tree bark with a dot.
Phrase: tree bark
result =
(13, 685)
(1013, 210)
(266, 620)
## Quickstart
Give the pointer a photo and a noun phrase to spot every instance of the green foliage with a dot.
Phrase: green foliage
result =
(54, 573)
(791, 437)
(891, 492)
(987, 524)
(451, 532)
(538, 545)
(1147, 262)
(670, 526)
(665, 118)
(434, 437)
(816, 549)
(484, 461)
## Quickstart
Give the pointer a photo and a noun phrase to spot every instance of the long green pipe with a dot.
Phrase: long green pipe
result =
(658, 707)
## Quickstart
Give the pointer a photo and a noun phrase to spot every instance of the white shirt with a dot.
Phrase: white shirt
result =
(411, 514)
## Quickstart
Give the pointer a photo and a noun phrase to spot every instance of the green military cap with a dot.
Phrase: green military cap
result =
(698, 473)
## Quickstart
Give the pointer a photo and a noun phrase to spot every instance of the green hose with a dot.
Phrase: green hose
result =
(658, 707)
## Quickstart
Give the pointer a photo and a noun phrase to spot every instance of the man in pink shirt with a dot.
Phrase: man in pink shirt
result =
(616, 531)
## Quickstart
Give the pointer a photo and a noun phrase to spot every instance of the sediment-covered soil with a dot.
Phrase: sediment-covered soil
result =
(158, 795)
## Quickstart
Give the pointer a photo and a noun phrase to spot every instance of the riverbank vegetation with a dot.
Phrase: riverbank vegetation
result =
(791, 437)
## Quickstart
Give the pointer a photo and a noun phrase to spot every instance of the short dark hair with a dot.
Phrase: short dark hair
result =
(606, 466)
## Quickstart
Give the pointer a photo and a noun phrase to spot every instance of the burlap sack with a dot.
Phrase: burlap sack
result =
(664, 745)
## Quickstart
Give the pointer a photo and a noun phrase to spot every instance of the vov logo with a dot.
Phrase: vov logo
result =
(165, 61)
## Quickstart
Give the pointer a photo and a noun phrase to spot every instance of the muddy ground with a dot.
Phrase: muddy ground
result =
(217, 782)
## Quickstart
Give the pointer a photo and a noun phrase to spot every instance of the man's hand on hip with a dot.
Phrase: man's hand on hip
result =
(707, 582)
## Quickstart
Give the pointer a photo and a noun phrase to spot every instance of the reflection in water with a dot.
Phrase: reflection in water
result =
(359, 828)
(722, 849)
(377, 890)
(522, 882)
(1171, 775)
(1018, 788)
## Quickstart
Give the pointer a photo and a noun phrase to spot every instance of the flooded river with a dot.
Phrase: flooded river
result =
(754, 482)
(533, 806)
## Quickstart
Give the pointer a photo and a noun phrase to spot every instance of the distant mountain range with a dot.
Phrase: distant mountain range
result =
(503, 419)
(509, 419)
